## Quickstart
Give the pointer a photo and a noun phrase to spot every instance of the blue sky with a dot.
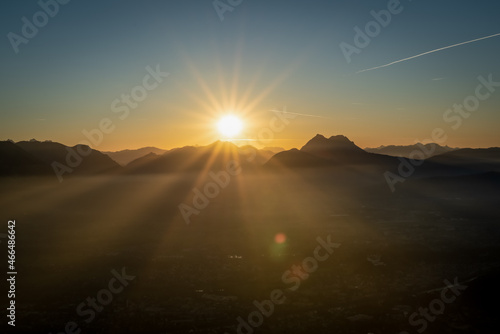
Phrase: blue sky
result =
(263, 55)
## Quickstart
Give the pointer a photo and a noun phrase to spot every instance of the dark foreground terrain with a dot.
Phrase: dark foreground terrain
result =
(394, 254)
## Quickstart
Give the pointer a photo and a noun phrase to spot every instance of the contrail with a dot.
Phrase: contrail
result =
(428, 52)
(294, 113)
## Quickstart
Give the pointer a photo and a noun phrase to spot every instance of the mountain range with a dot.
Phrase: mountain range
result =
(124, 157)
(196, 158)
(339, 160)
(38, 158)
(326, 152)
(406, 151)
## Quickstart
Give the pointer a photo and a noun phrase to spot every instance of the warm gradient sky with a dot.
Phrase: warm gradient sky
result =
(264, 55)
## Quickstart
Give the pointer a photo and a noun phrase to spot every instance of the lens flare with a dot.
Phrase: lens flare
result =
(280, 238)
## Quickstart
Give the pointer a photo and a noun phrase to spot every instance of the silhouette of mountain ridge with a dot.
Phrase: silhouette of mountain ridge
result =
(124, 157)
(94, 163)
(336, 148)
(16, 161)
(214, 156)
(406, 150)
(334, 151)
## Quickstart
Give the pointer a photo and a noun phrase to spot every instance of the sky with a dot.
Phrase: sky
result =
(67, 80)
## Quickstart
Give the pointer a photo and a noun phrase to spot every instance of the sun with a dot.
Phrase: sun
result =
(229, 126)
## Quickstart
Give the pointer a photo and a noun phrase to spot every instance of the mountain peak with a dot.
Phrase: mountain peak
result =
(337, 142)
(319, 136)
(340, 138)
(316, 141)
(334, 147)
